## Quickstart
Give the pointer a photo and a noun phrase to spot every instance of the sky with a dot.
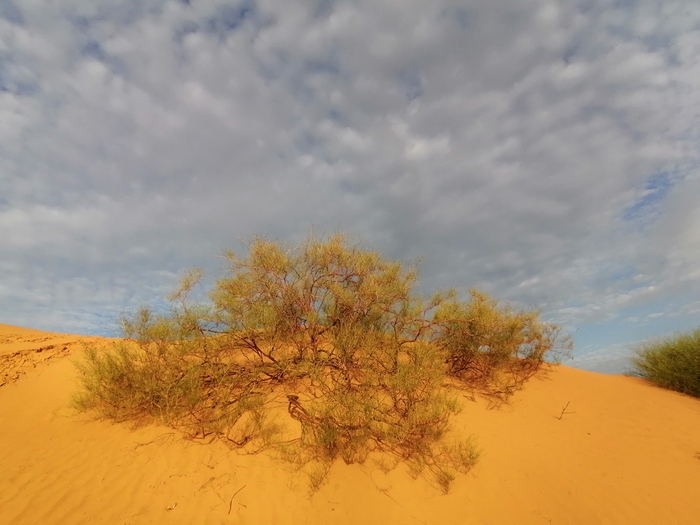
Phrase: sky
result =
(544, 151)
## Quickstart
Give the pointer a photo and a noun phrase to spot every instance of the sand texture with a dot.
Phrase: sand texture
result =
(623, 452)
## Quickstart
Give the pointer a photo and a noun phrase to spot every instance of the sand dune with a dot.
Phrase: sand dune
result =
(24, 349)
(623, 452)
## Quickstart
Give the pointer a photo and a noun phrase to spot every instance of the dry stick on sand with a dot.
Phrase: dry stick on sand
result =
(166, 435)
(563, 411)
(230, 503)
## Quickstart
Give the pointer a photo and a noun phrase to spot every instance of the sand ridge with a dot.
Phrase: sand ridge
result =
(623, 451)
(24, 349)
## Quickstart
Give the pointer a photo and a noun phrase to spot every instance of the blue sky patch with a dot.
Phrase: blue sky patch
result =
(188, 27)
(10, 11)
(20, 85)
(459, 16)
(326, 67)
(324, 8)
(655, 190)
(411, 83)
(230, 17)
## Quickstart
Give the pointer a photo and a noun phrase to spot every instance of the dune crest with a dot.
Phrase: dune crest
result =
(572, 447)
(24, 349)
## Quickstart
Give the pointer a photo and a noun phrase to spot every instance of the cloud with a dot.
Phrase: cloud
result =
(545, 151)
(615, 359)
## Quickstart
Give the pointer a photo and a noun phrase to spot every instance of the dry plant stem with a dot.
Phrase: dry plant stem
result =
(230, 503)
(563, 411)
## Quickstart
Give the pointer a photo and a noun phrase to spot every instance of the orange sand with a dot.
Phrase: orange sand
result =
(624, 452)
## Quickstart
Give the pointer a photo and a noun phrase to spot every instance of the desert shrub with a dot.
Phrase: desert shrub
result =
(162, 372)
(672, 363)
(493, 349)
(127, 383)
(347, 329)
(361, 356)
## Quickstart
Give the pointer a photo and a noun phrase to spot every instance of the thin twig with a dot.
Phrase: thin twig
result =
(563, 411)
(230, 503)
(165, 435)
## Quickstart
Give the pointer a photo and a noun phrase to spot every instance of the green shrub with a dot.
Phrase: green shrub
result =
(494, 349)
(165, 372)
(672, 363)
(342, 332)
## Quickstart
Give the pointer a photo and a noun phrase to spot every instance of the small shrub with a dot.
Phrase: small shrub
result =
(672, 363)
(318, 475)
(360, 355)
(494, 350)
(164, 373)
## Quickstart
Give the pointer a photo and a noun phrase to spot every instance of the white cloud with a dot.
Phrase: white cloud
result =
(506, 143)
(614, 359)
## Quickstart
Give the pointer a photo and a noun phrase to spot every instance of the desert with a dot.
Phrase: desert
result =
(572, 447)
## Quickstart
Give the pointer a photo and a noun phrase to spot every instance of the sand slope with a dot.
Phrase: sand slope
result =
(24, 349)
(625, 452)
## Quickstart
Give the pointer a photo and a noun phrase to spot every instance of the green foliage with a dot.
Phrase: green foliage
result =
(493, 349)
(672, 363)
(164, 372)
(362, 357)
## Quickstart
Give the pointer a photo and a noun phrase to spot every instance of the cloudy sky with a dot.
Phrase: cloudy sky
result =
(545, 151)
